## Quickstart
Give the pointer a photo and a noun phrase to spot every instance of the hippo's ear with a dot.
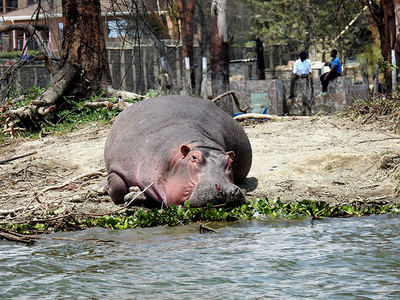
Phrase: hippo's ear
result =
(185, 150)
(231, 155)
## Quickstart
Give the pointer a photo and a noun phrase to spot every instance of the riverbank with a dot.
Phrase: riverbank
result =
(327, 159)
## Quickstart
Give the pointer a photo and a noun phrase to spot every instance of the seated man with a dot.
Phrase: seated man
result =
(335, 71)
(301, 69)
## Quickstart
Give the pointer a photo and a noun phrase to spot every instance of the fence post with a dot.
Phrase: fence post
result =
(394, 72)
(204, 81)
(187, 85)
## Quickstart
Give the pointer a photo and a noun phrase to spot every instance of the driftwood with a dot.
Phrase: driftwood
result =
(11, 129)
(84, 239)
(204, 228)
(235, 99)
(61, 218)
(16, 237)
(16, 157)
(99, 104)
(55, 187)
(11, 211)
(257, 116)
(123, 94)
(121, 104)
(379, 140)
(30, 239)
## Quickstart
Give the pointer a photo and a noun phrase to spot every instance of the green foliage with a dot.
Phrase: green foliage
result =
(152, 93)
(384, 65)
(372, 53)
(70, 114)
(257, 209)
(30, 94)
(295, 25)
(75, 113)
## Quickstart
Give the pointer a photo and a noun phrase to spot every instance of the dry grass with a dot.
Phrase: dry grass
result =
(384, 109)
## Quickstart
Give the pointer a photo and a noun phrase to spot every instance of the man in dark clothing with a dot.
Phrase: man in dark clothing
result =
(335, 71)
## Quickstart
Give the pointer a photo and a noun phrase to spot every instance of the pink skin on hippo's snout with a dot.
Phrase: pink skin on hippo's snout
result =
(201, 176)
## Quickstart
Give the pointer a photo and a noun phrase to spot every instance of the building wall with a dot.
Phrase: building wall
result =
(274, 94)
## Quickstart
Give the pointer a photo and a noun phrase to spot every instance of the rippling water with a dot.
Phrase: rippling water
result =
(355, 258)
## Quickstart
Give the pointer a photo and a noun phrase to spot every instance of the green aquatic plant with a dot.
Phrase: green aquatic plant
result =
(257, 209)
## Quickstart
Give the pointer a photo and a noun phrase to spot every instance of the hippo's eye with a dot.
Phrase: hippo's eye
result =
(194, 158)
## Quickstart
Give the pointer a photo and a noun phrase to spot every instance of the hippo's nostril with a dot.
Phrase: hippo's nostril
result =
(235, 195)
(237, 192)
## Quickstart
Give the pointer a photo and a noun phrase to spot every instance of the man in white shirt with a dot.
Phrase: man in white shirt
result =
(301, 69)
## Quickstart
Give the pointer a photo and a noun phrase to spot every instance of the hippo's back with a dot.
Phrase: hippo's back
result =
(143, 133)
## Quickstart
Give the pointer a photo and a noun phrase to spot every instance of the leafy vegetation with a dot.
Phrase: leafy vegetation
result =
(70, 114)
(296, 25)
(257, 209)
(74, 113)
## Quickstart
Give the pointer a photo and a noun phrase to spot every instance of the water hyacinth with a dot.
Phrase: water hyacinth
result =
(260, 208)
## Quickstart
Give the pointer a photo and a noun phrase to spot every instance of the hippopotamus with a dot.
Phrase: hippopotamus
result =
(177, 148)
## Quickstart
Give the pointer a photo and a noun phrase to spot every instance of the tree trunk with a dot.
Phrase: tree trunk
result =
(260, 59)
(84, 45)
(388, 38)
(83, 69)
(308, 20)
(186, 13)
(219, 54)
(397, 42)
(203, 45)
(384, 18)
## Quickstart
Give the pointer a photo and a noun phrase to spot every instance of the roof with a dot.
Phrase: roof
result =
(28, 12)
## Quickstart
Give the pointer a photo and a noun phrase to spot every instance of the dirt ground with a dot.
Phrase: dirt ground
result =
(315, 158)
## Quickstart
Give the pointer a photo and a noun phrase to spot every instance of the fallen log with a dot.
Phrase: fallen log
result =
(123, 94)
(13, 237)
(24, 112)
(98, 104)
(257, 116)
(204, 228)
(123, 105)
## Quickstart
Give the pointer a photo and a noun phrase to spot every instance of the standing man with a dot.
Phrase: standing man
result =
(335, 71)
(301, 69)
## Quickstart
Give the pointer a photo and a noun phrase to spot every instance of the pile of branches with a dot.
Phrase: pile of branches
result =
(381, 108)
(21, 115)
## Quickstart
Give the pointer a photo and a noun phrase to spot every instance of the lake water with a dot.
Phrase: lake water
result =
(354, 258)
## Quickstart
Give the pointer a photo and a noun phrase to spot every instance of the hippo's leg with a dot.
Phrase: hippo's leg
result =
(117, 188)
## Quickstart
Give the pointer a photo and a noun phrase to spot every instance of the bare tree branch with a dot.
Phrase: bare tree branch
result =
(50, 64)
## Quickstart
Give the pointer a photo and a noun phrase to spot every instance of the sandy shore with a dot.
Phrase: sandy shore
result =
(315, 158)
